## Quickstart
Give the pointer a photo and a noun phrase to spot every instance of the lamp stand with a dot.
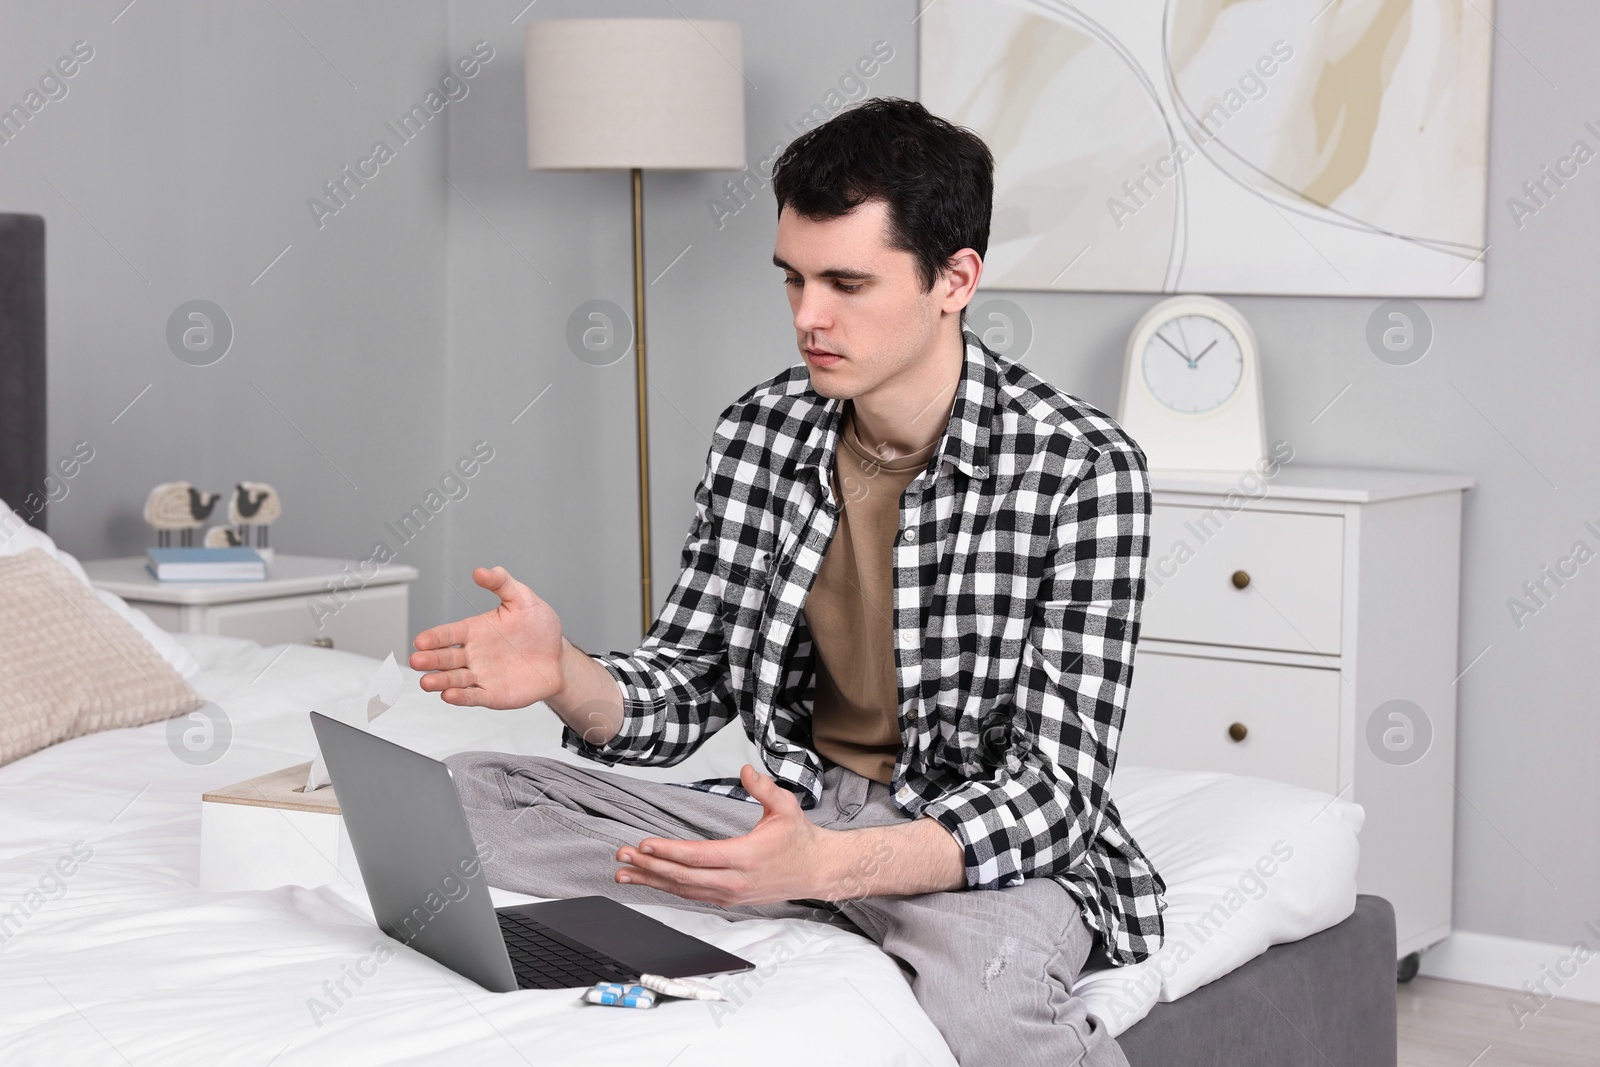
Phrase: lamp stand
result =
(641, 387)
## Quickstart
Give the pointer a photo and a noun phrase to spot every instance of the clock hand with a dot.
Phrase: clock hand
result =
(1203, 351)
(1176, 349)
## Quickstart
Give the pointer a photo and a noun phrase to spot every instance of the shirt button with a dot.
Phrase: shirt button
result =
(910, 536)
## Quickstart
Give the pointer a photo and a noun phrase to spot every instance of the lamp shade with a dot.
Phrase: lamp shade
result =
(659, 94)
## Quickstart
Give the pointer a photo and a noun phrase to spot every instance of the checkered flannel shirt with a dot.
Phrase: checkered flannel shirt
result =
(1018, 578)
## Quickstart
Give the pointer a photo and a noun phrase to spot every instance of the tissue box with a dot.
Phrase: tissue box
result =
(268, 832)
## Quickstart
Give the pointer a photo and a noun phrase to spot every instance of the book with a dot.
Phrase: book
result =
(205, 565)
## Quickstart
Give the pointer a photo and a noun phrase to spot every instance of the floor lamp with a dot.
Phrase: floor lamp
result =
(635, 95)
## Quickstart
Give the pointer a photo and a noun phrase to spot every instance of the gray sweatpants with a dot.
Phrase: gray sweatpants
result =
(992, 968)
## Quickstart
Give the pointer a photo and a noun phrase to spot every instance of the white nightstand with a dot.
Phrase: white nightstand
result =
(1274, 631)
(293, 605)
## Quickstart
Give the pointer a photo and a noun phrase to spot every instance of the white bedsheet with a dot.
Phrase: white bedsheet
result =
(125, 960)
(132, 963)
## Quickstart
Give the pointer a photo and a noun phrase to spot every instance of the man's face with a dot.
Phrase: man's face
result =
(861, 319)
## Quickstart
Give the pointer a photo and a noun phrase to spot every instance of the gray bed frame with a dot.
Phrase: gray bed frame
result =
(1327, 999)
(22, 365)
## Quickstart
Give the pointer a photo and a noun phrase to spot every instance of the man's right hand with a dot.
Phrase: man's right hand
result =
(509, 657)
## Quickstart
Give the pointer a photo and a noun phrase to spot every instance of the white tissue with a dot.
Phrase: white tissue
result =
(383, 689)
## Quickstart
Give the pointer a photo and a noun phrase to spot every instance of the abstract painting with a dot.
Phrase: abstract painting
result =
(1319, 147)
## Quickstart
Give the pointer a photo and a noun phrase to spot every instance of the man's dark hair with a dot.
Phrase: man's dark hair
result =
(936, 178)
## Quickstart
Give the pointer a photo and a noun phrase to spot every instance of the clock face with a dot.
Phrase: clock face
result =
(1192, 364)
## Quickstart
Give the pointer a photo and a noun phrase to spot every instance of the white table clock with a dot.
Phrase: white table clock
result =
(1191, 387)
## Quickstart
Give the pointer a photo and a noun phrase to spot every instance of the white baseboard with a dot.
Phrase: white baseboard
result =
(1509, 962)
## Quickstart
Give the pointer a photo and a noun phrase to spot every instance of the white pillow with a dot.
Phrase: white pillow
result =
(1249, 863)
(17, 537)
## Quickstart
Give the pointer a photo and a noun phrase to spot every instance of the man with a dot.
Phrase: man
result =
(914, 576)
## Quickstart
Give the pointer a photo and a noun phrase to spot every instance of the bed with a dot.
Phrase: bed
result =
(1271, 959)
(130, 960)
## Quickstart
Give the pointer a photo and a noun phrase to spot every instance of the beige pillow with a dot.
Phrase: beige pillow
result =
(69, 665)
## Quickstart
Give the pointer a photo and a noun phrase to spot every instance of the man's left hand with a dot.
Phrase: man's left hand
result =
(785, 856)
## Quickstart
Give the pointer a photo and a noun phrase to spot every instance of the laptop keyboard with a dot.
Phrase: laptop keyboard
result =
(544, 959)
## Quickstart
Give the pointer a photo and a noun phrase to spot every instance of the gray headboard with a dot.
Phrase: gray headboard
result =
(22, 395)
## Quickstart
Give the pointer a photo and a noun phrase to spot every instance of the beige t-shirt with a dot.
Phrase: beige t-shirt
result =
(855, 719)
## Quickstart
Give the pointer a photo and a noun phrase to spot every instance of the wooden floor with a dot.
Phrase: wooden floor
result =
(1452, 1024)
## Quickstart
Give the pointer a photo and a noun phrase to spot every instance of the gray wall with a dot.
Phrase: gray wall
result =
(178, 167)
(430, 312)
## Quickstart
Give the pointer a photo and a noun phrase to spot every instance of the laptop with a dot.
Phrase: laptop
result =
(423, 876)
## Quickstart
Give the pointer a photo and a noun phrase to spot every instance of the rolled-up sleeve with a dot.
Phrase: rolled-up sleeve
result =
(1041, 810)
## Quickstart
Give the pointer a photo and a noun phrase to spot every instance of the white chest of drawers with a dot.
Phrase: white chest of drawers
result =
(1278, 630)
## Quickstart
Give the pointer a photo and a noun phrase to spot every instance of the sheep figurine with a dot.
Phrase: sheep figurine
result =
(178, 506)
(222, 537)
(254, 505)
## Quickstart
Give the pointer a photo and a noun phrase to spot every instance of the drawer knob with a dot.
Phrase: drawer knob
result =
(1237, 731)
(322, 642)
(1241, 579)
